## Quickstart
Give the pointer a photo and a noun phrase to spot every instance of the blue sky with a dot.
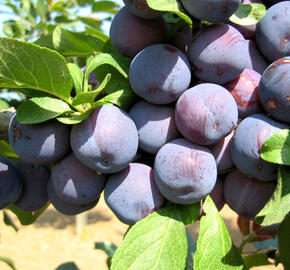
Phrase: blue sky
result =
(4, 15)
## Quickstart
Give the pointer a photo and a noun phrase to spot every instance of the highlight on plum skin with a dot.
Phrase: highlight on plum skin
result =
(160, 73)
(39, 144)
(107, 141)
(184, 172)
(248, 139)
(206, 113)
(11, 182)
(218, 53)
(76, 183)
(132, 194)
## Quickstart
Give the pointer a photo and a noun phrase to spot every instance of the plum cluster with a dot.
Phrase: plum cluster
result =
(207, 101)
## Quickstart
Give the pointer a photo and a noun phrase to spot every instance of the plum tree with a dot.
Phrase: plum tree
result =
(273, 32)
(218, 53)
(274, 89)
(75, 183)
(133, 40)
(211, 10)
(249, 136)
(184, 172)
(132, 193)
(155, 124)
(246, 196)
(40, 144)
(206, 113)
(160, 73)
(106, 141)
(11, 183)
(34, 195)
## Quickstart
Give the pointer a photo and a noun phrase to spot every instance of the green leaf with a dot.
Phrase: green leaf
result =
(283, 242)
(67, 266)
(257, 259)
(77, 77)
(160, 236)
(279, 204)
(118, 98)
(97, 33)
(171, 6)
(45, 41)
(100, 59)
(93, 22)
(3, 104)
(42, 8)
(276, 149)
(6, 150)
(38, 110)
(118, 89)
(106, 6)
(108, 247)
(248, 14)
(8, 221)
(26, 218)
(8, 261)
(89, 97)
(26, 65)
(75, 44)
(215, 249)
(74, 119)
(190, 213)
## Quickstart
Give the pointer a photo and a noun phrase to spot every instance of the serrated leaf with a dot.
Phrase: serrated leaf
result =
(6, 150)
(160, 236)
(38, 110)
(3, 104)
(8, 221)
(74, 119)
(276, 149)
(77, 77)
(215, 249)
(279, 204)
(97, 33)
(105, 6)
(45, 41)
(8, 261)
(26, 218)
(89, 97)
(248, 14)
(171, 6)
(26, 65)
(257, 259)
(283, 242)
(74, 43)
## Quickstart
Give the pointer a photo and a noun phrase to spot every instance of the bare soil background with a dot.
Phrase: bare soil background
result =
(52, 240)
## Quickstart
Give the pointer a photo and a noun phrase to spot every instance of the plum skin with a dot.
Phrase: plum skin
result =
(106, 141)
(132, 193)
(184, 172)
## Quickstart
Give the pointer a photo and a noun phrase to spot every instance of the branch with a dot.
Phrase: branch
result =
(5, 116)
